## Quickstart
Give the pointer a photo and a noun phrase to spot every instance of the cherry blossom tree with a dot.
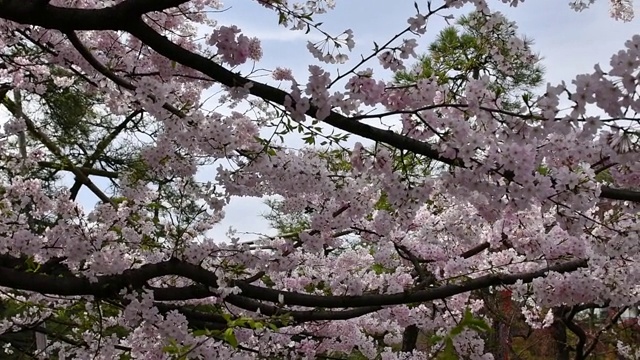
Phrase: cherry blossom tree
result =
(538, 200)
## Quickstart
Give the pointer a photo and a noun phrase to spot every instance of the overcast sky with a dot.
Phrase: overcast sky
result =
(569, 42)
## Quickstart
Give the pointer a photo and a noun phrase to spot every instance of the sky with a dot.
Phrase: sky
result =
(570, 43)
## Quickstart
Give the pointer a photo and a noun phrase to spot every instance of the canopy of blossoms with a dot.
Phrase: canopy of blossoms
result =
(541, 201)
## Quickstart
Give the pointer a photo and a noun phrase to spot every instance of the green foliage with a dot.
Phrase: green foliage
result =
(310, 132)
(322, 286)
(283, 222)
(176, 350)
(380, 269)
(468, 322)
(461, 53)
(604, 177)
(383, 203)
(67, 110)
(138, 170)
(413, 166)
(337, 162)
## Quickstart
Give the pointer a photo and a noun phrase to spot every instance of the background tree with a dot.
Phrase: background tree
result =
(466, 51)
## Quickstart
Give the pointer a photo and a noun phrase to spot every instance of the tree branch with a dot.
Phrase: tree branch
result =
(44, 139)
(42, 14)
(579, 332)
(139, 7)
(86, 170)
(109, 285)
(63, 18)
(299, 315)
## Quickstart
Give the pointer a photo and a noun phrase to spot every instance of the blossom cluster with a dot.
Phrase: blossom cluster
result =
(540, 200)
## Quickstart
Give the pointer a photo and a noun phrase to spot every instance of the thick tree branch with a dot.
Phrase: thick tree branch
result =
(62, 18)
(441, 292)
(475, 251)
(106, 286)
(619, 194)
(579, 332)
(167, 48)
(181, 293)
(139, 7)
(298, 315)
(85, 170)
(42, 14)
(410, 338)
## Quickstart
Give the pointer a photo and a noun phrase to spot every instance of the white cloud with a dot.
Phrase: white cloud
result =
(280, 34)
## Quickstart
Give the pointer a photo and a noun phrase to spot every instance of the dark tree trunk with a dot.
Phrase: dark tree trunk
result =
(409, 338)
(559, 333)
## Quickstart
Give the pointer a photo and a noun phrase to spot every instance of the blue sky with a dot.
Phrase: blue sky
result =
(569, 42)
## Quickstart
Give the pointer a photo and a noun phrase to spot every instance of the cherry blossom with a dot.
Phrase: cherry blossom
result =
(541, 202)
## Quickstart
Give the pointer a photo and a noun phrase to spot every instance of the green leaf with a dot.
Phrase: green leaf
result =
(204, 332)
(449, 351)
(604, 177)
(230, 338)
(311, 140)
(282, 18)
(172, 348)
(543, 170)
(256, 325)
